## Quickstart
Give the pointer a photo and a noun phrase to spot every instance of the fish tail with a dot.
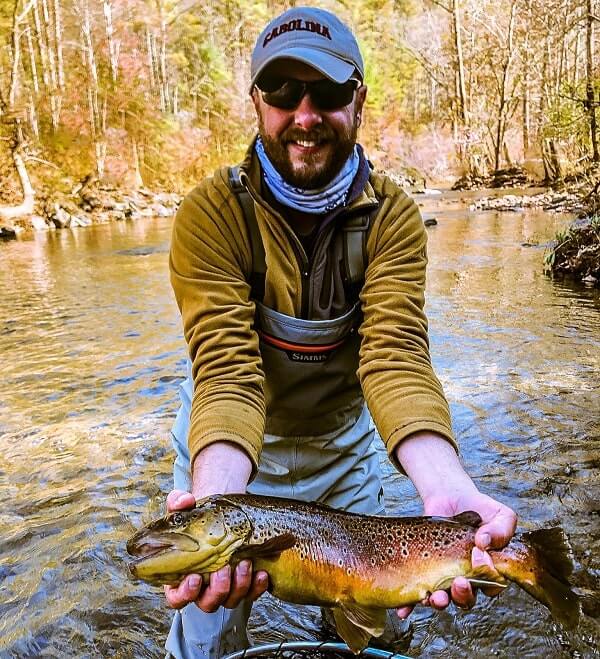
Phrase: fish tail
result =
(542, 566)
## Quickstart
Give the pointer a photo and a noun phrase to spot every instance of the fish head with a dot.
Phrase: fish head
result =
(199, 540)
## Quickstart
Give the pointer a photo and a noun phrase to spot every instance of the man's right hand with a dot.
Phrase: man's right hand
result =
(220, 468)
(224, 588)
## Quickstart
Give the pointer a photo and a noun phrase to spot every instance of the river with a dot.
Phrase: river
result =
(92, 352)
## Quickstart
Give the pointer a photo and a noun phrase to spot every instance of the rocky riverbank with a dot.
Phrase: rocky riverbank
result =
(90, 203)
(510, 177)
(576, 252)
(551, 200)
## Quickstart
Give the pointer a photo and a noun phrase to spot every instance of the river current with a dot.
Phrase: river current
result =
(92, 352)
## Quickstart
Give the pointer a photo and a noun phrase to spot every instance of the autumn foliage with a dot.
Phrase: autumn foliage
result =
(155, 92)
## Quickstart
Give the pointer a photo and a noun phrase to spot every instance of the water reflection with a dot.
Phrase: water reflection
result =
(92, 351)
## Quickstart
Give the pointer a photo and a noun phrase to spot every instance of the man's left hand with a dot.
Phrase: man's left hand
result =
(497, 528)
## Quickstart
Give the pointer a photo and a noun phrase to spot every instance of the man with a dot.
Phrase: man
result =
(298, 305)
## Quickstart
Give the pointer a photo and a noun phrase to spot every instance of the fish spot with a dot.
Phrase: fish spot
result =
(390, 551)
(348, 571)
(425, 554)
(404, 551)
(373, 561)
(341, 562)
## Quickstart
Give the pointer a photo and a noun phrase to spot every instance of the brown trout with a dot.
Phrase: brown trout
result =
(356, 564)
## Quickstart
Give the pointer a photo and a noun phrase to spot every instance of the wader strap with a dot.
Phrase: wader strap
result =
(354, 249)
(259, 266)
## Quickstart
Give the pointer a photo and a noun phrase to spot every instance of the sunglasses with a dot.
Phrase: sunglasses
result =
(326, 95)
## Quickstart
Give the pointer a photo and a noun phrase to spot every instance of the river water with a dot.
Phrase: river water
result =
(92, 352)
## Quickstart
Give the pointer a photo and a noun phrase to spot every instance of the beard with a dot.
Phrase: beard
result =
(312, 173)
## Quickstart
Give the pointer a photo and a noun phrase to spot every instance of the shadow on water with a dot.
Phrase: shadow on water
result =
(92, 354)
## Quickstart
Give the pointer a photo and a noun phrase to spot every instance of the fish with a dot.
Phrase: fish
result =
(358, 565)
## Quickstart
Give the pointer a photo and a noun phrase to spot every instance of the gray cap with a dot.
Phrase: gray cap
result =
(310, 35)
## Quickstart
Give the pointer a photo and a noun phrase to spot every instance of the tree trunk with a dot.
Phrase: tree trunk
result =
(590, 95)
(503, 101)
(552, 168)
(463, 145)
(113, 53)
(138, 181)
(27, 205)
(60, 69)
(10, 114)
(526, 93)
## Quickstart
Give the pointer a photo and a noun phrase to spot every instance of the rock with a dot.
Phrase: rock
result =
(60, 217)
(510, 177)
(80, 221)
(430, 221)
(158, 210)
(38, 223)
(7, 231)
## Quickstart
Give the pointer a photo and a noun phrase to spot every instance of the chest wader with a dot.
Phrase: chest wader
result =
(308, 365)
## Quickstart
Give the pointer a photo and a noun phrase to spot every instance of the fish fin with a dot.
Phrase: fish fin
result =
(270, 547)
(356, 624)
(482, 575)
(468, 517)
(555, 551)
(554, 558)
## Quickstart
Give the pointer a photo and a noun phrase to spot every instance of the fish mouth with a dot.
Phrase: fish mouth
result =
(149, 546)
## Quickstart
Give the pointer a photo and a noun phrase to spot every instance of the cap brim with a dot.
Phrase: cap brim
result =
(333, 68)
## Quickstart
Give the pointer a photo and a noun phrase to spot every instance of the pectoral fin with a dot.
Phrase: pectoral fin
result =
(270, 547)
(356, 624)
(482, 575)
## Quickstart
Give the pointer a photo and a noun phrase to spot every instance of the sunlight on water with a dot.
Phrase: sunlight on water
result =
(92, 353)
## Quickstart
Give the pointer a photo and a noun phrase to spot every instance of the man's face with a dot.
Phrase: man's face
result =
(307, 146)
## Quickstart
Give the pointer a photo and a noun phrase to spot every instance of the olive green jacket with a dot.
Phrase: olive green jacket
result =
(210, 264)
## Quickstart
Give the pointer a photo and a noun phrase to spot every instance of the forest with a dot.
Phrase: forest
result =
(154, 93)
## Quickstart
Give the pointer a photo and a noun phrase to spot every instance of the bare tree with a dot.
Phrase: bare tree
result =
(12, 114)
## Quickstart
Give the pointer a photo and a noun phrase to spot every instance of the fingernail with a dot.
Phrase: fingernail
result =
(194, 581)
(462, 583)
(244, 568)
(485, 540)
(478, 555)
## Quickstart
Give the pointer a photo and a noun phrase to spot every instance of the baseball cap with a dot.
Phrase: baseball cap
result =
(313, 36)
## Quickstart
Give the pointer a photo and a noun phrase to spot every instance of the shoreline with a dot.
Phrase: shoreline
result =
(89, 205)
(93, 203)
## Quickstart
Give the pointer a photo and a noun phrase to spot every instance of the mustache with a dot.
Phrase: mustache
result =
(315, 135)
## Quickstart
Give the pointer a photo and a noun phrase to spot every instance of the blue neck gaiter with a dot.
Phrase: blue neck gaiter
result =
(316, 202)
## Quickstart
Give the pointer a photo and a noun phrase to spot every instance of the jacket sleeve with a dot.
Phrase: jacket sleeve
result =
(209, 260)
(401, 389)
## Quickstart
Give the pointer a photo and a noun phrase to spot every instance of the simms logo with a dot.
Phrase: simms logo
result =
(308, 357)
(298, 25)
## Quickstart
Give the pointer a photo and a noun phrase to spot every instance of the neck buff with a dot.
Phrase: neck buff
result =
(318, 201)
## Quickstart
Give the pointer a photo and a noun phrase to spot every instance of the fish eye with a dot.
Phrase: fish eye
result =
(177, 519)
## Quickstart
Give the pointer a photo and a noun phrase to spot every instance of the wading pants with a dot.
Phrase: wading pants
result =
(340, 469)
